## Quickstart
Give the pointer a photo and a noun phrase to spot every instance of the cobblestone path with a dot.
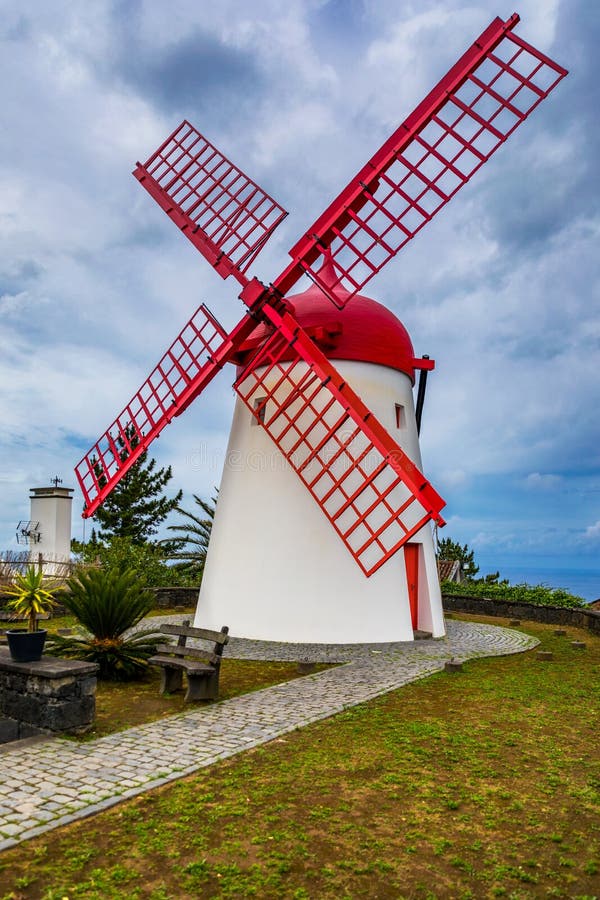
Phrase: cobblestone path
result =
(55, 781)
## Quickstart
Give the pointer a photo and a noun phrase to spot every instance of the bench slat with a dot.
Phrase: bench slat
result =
(170, 661)
(218, 637)
(189, 651)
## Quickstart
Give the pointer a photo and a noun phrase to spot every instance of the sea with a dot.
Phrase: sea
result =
(582, 582)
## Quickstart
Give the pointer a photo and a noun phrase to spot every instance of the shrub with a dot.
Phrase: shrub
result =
(121, 553)
(108, 604)
(538, 595)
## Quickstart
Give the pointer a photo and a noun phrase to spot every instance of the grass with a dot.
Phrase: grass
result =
(474, 785)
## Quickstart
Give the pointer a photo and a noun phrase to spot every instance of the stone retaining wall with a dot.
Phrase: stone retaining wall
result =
(175, 596)
(580, 617)
(13, 730)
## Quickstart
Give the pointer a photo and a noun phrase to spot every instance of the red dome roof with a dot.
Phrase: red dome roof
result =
(367, 331)
(370, 332)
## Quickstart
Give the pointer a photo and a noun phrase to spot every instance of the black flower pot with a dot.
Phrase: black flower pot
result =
(26, 646)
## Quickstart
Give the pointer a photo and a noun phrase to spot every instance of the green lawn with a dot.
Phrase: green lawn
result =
(480, 784)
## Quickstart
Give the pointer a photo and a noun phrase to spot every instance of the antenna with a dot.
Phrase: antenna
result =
(28, 532)
(56, 481)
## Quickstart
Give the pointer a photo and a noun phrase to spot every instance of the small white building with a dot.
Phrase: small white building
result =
(275, 568)
(50, 521)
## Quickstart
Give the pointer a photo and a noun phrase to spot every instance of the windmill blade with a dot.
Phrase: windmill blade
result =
(371, 492)
(191, 362)
(225, 214)
(493, 87)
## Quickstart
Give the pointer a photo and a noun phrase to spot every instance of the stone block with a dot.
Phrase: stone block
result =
(453, 665)
(55, 687)
(305, 667)
(87, 687)
(13, 730)
(578, 645)
(70, 716)
(545, 654)
(173, 597)
(559, 632)
(27, 731)
(9, 730)
(22, 706)
(52, 694)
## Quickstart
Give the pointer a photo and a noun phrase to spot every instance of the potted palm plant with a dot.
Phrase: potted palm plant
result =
(29, 599)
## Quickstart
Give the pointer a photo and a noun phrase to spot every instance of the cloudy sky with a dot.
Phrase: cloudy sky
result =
(502, 289)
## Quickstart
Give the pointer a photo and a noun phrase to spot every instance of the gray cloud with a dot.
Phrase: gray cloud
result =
(18, 274)
(198, 74)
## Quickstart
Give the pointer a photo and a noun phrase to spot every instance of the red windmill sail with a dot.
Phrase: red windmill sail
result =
(196, 355)
(225, 214)
(475, 107)
(371, 492)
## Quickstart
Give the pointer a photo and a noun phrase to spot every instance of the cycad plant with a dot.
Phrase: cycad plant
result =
(108, 604)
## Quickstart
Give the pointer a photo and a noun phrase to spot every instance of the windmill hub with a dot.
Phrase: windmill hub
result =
(364, 330)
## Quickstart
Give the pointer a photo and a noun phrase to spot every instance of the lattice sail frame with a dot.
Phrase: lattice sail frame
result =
(225, 214)
(486, 95)
(475, 107)
(191, 362)
(373, 495)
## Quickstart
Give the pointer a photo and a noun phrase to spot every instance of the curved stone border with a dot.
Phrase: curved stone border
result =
(491, 640)
(57, 781)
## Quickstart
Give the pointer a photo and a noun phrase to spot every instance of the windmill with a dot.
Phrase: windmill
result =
(329, 540)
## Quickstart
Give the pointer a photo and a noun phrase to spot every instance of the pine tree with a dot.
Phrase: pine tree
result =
(449, 549)
(136, 507)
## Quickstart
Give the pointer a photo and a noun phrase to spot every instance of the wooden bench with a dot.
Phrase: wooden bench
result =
(200, 666)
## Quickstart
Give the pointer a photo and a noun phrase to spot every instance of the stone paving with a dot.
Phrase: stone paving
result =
(56, 781)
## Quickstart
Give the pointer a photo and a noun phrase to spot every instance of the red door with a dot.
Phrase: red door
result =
(411, 558)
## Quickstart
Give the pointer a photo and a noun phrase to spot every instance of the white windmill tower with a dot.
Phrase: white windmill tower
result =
(322, 527)
(296, 581)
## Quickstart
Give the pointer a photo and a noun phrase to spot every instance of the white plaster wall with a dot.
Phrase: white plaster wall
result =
(53, 512)
(276, 569)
